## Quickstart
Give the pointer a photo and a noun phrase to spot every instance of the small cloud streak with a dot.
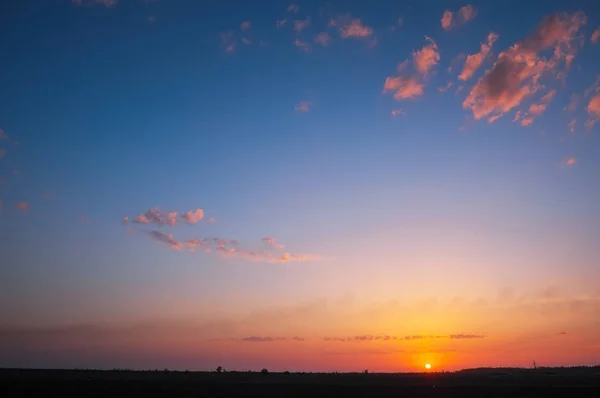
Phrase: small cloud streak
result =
(22, 206)
(452, 20)
(303, 106)
(474, 61)
(409, 338)
(280, 23)
(166, 238)
(398, 112)
(293, 8)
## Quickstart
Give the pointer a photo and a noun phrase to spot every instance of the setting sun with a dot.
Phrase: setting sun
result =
(427, 366)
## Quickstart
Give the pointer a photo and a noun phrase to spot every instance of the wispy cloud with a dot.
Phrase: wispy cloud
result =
(355, 29)
(474, 61)
(301, 44)
(323, 39)
(409, 338)
(106, 3)
(517, 72)
(452, 20)
(3, 135)
(257, 339)
(245, 25)
(229, 248)
(593, 109)
(293, 8)
(22, 206)
(303, 106)
(3, 152)
(280, 23)
(535, 110)
(228, 41)
(398, 112)
(272, 242)
(300, 25)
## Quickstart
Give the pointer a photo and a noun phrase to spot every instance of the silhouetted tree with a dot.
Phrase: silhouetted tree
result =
(219, 369)
(287, 372)
(366, 371)
(264, 371)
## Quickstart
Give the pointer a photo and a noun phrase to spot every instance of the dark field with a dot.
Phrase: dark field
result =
(580, 382)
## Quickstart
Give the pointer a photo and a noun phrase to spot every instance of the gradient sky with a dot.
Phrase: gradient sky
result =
(318, 186)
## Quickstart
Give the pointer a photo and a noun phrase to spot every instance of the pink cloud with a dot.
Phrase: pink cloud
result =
(106, 3)
(228, 41)
(398, 112)
(154, 216)
(445, 88)
(593, 110)
(474, 61)
(193, 217)
(517, 72)
(272, 242)
(446, 19)
(245, 25)
(571, 126)
(280, 23)
(246, 41)
(355, 29)
(303, 106)
(211, 220)
(166, 238)
(323, 39)
(595, 35)
(300, 25)
(125, 220)
(570, 161)
(3, 135)
(301, 44)
(462, 16)
(427, 57)
(22, 206)
(2, 152)
(549, 96)
(403, 87)
(573, 100)
(293, 8)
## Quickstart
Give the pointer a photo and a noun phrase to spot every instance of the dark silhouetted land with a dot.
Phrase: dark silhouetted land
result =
(513, 383)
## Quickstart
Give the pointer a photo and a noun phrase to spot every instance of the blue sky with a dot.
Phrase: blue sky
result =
(111, 109)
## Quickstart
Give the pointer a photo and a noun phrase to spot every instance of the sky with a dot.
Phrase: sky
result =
(316, 186)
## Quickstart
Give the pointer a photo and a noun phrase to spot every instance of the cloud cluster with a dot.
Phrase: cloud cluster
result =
(385, 337)
(349, 27)
(452, 20)
(516, 73)
(155, 216)
(411, 85)
(106, 3)
(474, 61)
(535, 110)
